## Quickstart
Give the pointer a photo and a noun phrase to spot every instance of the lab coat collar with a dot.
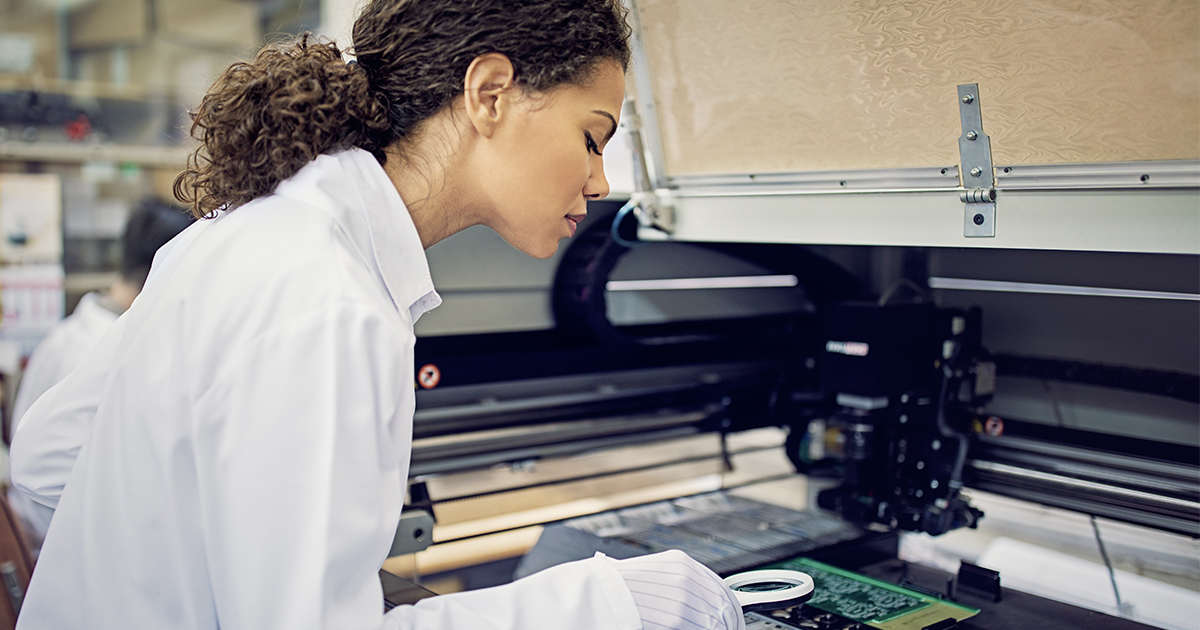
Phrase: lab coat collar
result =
(362, 199)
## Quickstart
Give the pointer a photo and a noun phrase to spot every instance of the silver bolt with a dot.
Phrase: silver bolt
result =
(976, 172)
(971, 135)
(968, 98)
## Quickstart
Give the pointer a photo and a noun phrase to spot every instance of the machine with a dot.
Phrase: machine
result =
(886, 405)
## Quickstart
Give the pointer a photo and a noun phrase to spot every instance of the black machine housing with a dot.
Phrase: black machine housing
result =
(906, 381)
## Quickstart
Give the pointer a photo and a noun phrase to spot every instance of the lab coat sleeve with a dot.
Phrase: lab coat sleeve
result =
(302, 453)
(54, 428)
(584, 595)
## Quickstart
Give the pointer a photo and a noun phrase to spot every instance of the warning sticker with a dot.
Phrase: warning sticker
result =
(429, 376)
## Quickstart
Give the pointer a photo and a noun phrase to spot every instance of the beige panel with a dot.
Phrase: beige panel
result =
(213, 22)
(28, 17)
(110, 22)
(777, 85)
(184, 69)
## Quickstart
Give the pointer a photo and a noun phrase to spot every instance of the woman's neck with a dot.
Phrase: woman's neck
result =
(428, 175)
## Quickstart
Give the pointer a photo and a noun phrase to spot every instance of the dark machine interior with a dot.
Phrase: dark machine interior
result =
(895, 395)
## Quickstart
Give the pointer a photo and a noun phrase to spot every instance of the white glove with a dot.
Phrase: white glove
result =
(674, 592)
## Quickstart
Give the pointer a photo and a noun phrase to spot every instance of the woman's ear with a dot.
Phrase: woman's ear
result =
(488, 91)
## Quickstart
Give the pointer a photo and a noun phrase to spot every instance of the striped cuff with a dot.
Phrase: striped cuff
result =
(674, 592)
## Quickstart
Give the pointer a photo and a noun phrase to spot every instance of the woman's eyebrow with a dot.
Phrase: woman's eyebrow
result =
(610, 119)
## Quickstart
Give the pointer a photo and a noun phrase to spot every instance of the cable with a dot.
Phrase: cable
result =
(1112, 575)
(960, 460)
(616, 225)
(1053, 403)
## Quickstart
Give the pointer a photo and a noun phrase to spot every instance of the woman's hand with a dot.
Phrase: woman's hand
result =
(674, 591)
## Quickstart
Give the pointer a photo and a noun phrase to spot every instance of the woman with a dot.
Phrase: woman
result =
(234, 453)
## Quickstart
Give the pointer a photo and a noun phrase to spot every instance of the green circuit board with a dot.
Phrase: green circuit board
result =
(872, 602)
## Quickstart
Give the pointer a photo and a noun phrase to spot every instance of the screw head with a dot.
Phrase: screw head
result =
(968, 98)
(976, 172)
(971, 135)
(978, 219)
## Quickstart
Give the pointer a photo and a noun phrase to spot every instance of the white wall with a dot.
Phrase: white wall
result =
(337, 19)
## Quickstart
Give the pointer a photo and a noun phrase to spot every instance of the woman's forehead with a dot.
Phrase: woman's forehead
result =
(605, 89)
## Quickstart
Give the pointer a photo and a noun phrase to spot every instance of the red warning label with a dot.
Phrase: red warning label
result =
(429, 376)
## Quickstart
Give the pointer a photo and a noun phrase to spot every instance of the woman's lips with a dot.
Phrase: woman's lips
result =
(573, 220)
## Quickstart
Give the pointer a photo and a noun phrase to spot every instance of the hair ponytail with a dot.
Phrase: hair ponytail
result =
(263, 120)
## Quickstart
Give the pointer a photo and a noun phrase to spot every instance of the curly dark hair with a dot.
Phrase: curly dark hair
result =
(265, 119)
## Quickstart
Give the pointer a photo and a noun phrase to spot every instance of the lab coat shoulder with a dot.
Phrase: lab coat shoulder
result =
(275, 255)
(265, 266)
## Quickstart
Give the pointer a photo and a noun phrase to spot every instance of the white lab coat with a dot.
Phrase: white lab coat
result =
(234, 451)
(60, 352)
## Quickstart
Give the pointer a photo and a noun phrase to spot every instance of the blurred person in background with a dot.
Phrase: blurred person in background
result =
(148, 228)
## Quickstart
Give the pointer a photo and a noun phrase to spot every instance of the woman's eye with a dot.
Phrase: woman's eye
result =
(591, 144)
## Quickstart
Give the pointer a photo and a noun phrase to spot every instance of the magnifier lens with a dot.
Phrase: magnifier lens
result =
(770, 589)
(763, 587)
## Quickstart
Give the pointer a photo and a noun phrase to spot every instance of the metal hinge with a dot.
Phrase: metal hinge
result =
(975, 153)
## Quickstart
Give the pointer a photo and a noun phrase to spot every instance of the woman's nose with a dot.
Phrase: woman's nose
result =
(597, 185)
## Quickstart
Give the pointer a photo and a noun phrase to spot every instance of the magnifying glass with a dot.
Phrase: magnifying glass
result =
(770, 589)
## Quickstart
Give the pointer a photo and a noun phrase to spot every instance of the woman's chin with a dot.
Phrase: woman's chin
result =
(533, 247)
(541, 252)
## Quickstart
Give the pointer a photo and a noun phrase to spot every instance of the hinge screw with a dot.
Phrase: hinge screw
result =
(968, 98)
(976, 172)
(971, 135)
